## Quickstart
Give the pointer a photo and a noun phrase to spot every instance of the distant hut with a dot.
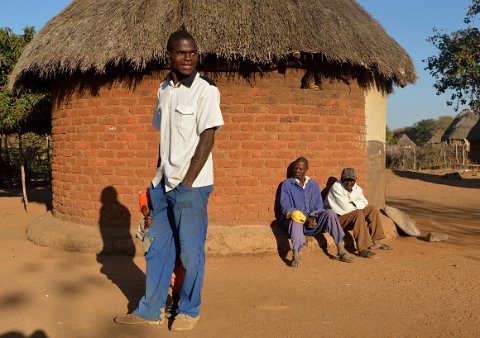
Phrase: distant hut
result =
(407, 146)
(460, 127)
(474, 138)
(406, 142)
(296, 77)
(436, 137)
(457, 132)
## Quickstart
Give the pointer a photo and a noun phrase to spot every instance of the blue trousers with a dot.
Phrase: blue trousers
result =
(327, 221)
(189, 210)
(160, 257)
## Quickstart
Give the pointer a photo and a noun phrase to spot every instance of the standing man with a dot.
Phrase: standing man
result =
(303, 212)
(346, 199)
(187, 115)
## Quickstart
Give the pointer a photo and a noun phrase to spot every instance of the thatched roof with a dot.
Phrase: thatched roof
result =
(460, 126)
(90, 35)
(474, 133)
(405, 141)
(436, 137)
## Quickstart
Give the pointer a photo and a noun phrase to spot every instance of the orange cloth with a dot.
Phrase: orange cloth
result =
(143, 199)
(178, 274)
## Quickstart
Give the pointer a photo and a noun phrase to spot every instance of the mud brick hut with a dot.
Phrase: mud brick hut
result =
(297, 78)
(473, 138)
(459, 134)
(460, 127)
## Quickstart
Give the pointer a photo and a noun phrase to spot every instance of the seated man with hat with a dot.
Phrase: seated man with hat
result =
(346, 199)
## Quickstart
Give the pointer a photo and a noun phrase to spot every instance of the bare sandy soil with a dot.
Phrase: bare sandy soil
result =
(420, 289)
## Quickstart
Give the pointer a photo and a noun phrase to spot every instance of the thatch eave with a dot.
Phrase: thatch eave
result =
(474, 133)
(90, 36)
(461, 126)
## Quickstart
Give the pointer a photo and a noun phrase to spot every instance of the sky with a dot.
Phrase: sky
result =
(409, 22)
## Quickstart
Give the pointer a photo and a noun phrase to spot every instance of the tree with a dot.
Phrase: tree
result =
(21, 110)
(443, 122)
(390, 139)
(422, 131)
(457, 66)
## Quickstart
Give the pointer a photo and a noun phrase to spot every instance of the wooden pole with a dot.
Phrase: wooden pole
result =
(22, 172)
(414, 159)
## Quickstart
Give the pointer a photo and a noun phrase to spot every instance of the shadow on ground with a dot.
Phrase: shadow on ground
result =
(14, 334)
(461, 224)
(35, 194)
(452, 179)
(119, 267)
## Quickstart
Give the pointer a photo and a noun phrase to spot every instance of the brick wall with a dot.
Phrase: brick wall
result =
(105, 148)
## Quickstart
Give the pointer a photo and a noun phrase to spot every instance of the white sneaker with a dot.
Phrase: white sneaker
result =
(183, 322)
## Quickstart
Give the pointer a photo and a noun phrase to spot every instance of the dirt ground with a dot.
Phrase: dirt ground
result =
(420, 289)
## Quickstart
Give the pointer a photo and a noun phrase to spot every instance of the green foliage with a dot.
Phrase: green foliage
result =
(20, 109)
(421, 131)
(34, 155)
(443, 122)
(457, 66)
(390, 138)
(12, 47)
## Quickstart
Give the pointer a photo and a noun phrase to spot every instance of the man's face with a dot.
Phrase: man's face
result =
(300, 170)
(348, 183)
(184, 57)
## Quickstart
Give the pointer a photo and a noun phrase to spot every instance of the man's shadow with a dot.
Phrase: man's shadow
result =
(118, 248)
(16, 334)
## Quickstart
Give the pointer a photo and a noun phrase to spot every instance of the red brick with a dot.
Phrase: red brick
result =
(227, 144)
(234, 190)
(256, 109)
(233, 208)
(255, 91)
(252, 127)
(241, 136)
(280, 109)
(248, 181)
(116, 145)
(264, 118)
(266, 136)
(228, 163)
(240, 154)
(253, 146)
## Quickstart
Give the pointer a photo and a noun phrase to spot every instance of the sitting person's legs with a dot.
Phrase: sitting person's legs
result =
(295, 231)
(356, 220)
(327, 221)
(373, 221)
(375, 227)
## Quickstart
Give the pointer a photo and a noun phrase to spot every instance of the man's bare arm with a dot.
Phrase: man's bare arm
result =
(204, 147)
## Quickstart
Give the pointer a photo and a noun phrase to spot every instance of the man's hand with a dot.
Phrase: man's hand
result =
(202, 151)
(297, 216)
(311, 222)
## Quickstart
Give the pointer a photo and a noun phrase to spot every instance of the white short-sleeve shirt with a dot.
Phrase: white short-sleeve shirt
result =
(182, 113)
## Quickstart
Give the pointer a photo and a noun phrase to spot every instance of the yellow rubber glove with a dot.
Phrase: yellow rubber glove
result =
(297, 216)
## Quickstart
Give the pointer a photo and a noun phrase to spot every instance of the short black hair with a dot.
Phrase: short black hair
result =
(176, 36)
(301, 159)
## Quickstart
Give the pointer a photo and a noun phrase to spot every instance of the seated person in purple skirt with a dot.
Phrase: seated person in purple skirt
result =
(303, 212)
